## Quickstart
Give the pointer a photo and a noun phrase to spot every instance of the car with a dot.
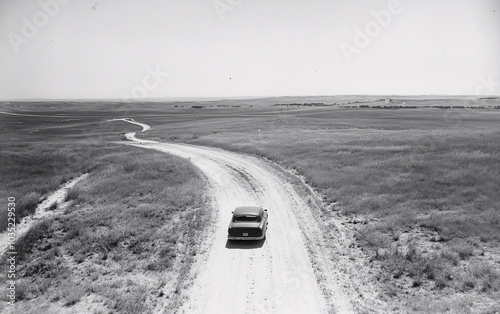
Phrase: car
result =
(248, 223)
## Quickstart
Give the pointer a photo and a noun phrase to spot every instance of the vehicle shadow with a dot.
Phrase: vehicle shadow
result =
(245, 245)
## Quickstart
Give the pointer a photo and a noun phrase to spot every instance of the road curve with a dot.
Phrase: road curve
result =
(278, 275)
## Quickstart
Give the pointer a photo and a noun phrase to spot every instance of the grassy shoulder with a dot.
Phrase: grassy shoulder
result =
(422, 202)
(124, 244)
(31, 171)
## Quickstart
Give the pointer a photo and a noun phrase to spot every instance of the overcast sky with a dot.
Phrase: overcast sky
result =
(223, 48)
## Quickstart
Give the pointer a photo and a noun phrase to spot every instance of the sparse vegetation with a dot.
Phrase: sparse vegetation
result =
(416, 186)
(426, 191)
(73, 295)
(31, 171)
(26, 243)
(135, 220)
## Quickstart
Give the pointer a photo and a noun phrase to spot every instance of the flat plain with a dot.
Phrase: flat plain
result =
(414, 181)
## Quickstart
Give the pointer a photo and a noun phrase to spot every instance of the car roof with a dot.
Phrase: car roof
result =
(247, 210)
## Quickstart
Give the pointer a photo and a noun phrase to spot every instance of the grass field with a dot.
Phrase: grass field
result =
(31, 171)
(130, 231)
(417, 186)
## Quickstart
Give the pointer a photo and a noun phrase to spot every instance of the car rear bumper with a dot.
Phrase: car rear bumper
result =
(245, 238)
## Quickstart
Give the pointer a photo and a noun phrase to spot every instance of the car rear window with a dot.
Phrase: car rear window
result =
(246, 218)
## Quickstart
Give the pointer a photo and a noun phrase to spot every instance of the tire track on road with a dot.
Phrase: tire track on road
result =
(275, 276)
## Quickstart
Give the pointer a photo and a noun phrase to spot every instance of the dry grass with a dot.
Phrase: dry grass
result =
(134, 220)
(30, 171)
(407, 175)
(423, 182)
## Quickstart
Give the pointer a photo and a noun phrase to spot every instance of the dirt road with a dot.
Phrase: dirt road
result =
(278, 275)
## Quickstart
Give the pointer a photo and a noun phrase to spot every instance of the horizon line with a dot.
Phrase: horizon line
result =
(215, 98)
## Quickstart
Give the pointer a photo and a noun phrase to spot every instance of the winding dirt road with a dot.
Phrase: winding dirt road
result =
(276, 275)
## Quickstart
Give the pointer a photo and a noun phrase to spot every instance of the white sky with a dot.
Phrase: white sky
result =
(106, 48)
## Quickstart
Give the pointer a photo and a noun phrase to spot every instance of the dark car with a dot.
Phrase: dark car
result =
(248, 223)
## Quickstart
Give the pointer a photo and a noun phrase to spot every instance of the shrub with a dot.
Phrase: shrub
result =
(36, 233)
(133, 303)
(463, 249)
(27, 204)
(73, 295)
(72, 193)
(21, 290)
(479, 276)
(450, 256)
